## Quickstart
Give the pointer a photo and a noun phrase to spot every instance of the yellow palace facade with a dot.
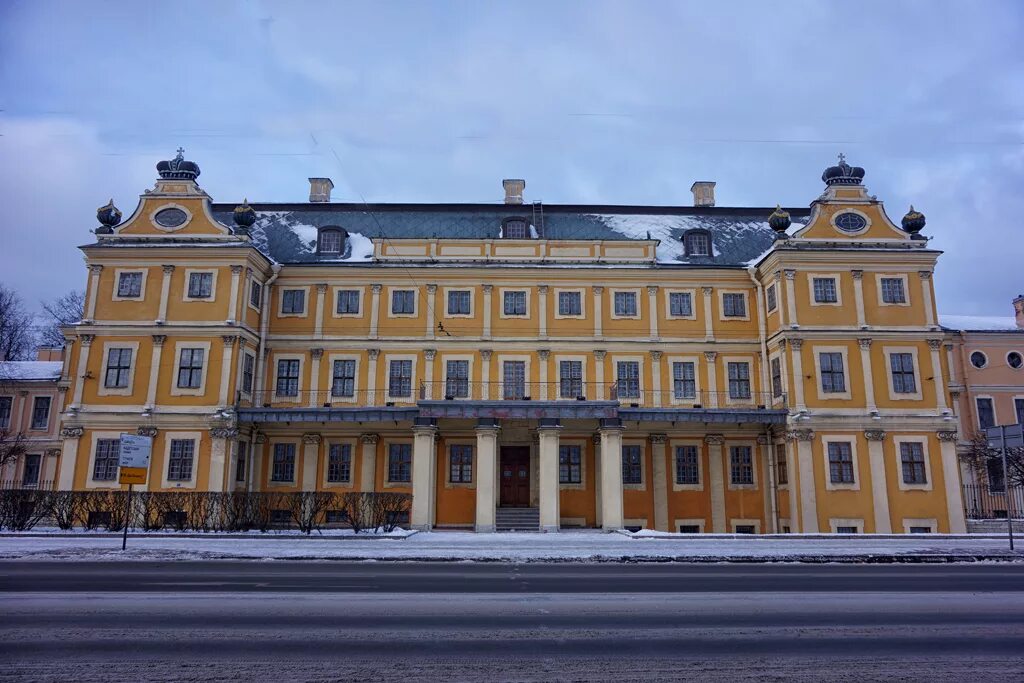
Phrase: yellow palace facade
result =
(517, 365)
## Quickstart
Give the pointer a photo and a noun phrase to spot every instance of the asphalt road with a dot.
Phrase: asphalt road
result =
(403, 621)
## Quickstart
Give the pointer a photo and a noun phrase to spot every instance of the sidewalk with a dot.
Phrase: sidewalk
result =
(573, 546)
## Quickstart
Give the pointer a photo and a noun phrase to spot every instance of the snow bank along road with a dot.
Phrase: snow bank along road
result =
(408, 621)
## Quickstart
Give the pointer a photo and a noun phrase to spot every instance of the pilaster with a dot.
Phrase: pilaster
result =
(879, 485)
(659, 479)
(716, 481)
(548, 491)
(424, 458)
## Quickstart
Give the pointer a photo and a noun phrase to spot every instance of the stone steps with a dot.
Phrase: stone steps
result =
(517, 519)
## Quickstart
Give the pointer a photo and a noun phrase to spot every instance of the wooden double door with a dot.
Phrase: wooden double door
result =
(515, 476)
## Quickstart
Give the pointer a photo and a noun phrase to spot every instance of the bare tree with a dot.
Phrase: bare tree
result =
(16, 337)
(988, 461)
(64, 310)
(12, 446)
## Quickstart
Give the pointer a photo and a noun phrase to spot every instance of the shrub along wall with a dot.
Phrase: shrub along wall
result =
(307, 511)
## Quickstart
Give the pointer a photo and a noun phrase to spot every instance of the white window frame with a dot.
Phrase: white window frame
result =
(635, 291)
(102, 389)
(835, 522)
(448, 443)
(91, 483)
(721, 305)
(248, 294)
(526, 375)
(241, 374)
(582, 445)
(671, 380)
(930, 522)
(189, 272)
(929, 481)
(783, 380)
(699, 486)
(668, 304)
(751, 374)
(850, 439)
(331, 357)
(296, 471)
(773, 287)
(582, 360)
(390, 303)
(280, 301)
(642, 443)
(188, 391)
(698, 522)
(1006, 359)
(472, 301)
(388, 484)
(995, 410)
(414, 388)
(274, 396)
(501, 303)
(754, 465)
(835, 277)
(142, 286)
(616, 359)
(831, 395)
(468, 357)
(197, 440)
(334, 301)
(847, 209)
(353, 455)
(892, 276)
(737, 522)
(582, 292)
(971, 352)
(918, 379)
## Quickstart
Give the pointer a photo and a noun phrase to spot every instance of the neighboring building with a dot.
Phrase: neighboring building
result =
(696, 368)
(30, 406)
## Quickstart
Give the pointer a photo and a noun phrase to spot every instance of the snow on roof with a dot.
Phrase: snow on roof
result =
(30, 370)
(978, 322)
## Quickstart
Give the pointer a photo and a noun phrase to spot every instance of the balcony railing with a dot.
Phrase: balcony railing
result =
(37, 484)
(454, 390)
(985, 502)
(326, 398)
(632, 398)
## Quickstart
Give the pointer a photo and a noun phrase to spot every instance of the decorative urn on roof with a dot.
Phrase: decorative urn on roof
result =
(779, 221)
(913, 223)
(108, 215)
(244, 216)
(843, 174)
(177, 168)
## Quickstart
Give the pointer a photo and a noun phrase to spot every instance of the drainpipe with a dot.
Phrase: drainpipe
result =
(762, 330)
(773, 484)
(260, 379)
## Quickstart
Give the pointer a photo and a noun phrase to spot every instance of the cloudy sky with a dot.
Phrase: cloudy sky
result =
(590, 102)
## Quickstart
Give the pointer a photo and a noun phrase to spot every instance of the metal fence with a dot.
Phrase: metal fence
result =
(984, 502)
(39, 484)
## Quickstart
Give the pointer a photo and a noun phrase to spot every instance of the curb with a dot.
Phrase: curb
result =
(214, 536)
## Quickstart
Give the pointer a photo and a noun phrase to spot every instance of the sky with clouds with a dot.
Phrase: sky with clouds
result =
(603, 102)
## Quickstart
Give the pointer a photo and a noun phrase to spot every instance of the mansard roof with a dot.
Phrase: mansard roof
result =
(287, 232)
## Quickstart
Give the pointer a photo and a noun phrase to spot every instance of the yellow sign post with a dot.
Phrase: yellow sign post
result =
(133, 468)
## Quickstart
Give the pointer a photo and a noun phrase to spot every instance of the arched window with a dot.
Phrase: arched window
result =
(697, 243)
(515, 229)
(331, 240)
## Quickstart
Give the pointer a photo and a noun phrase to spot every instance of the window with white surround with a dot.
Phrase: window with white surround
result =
(460, 302)
(776, 368)
(979, 359)
(456, 378)
(893, 290)
(904, 379)
(343, 378)
(200, 285)
(339, 463)
(632, 464)
(255, 294)
(30, 474)
(513, 379)
(697, 243)
(687, 461)
(831, 372)
(684, 380)
(190, 368)
(460, 464)
(570, 304)
(6, 403)
(403, 302)
(180, 459)
(515, 229)
(741, 466)
(331, 241)
(293, 301)
(1015, 360)
(680, 304)
(627, 376)
(739, 379)
(514, 303)
(347, 302)
(734, 305)
(283, 466)
(625, 304)
(912, 463)
(772, 298)
(129, 284)
(824, 290)
(40, 412)
(119, 366)
(400, 378)
(840, 462)
(287, 377)
(106, 459)
(570, 378)
(1018, 408)
(570, 464)
(248, 372)
(399, 463)
(986, 412)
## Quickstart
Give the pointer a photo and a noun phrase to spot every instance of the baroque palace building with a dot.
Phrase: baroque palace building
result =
(695, 369)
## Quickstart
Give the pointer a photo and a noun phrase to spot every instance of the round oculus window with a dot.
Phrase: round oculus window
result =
(849, 221)
(170, 218)
(1014, 360)
(978, 359)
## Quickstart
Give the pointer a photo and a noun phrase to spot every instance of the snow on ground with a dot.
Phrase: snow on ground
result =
(978, 322)
(592, 546)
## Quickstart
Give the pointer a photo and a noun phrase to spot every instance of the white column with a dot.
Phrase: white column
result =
(598, 314)
(940, 385)
(655, 380)
(952, 366)
(710, 357)
(542, 357)
(791, 298)
(154, 369)
(318, 322)
(707, 312)
(431, 311)
(768, 479)
(858, 297)
(165, 293)
(487, 311)
(314, 377)
(374, 310)
(424, 455)
(596, 439)
(951, 479)
(798, 373)
(310, 460)
(599, 356)
(487, 474)
(83, 362)
(808, 493)
(778, 299)
(371, 376)
(548, 489)
(485, 374)
(225, 369)
(716, 482)
(794, 499)
(69, 457)
(94, 290)
(368, 463)
(220, 443)
(652, 308)
(611, 476)
(869, 375)
(256, 475)
(542, 310)
(926, 297)
(659, 479)
(428, 375)
(879, 486)
(236, 274)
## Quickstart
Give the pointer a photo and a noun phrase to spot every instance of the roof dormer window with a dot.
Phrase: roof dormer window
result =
(697, 243)
(515, 229)
(331, 240)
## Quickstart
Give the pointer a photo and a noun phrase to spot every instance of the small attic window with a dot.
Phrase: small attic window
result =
(697, 243)
(515, 229)
(331, 240)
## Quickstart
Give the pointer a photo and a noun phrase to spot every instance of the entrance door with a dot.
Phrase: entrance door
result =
(515, 476)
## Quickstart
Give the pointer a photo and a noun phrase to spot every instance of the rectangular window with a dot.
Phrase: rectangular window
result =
(515, 230)
(734, 305)
(399, 462)
(628, 379)
(179, 464)
(255, 294)
(625, 304)
(773, 301)
(689, 528)
(986, 413)
(293, 301)
(40, 412)
(687, 465)
(739, 380)
(902, 367)
(288, 377)
(744, 528)
(119, 365)
(776, 365)
(1018, 407)
(846, 529)
(892, 291)
(570, 376)
(833, 380)
(248, 372)
(240, 464)
(570, 303)
(339, 463)
(570, 465)
(632, 465)
(5, 411)
(680, 304)
(348, 302)
(108, 455)
(684, 382)
(840, 463)
(456, 383)
(283, 469)
(741, 466)
(460, 464)
(30, 475)
(994, 474)
(400, 378)
(514, 382)
(514, 303)
(190, 369)
(129, 285)
(200, 285)
(825, 290)
(920, 529)
(912, 461)
(458, 302)
(781, 471)
(343, 378)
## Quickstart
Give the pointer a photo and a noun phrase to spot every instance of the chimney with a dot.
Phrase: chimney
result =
(320, 189)
(1018, 311)
(513, 190)
(703, 193)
